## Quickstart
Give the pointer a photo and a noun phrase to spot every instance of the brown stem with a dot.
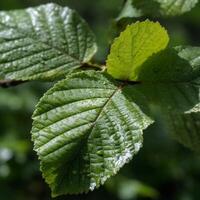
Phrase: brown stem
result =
(10, 83)
(92, 65)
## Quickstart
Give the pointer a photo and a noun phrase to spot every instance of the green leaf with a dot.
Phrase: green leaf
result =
(147, 7)
(85, 129)
(169, 81)
(44, 42)
(169, 104)
(133, 47)
(174, 100)
(175, 7)
(138, 8)
(171, 65)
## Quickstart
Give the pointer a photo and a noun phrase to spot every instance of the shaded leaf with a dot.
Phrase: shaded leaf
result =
(172, 65)
(139, 8)
(174, 99)
(175, 7)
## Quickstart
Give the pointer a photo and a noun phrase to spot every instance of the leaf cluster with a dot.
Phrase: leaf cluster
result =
(91, 122)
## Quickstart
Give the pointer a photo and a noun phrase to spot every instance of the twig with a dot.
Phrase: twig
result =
(93, 66)
(10, 83)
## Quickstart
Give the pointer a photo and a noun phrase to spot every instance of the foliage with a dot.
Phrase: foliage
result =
(36, 45)
(134, 46)
(138, 8)
(89, 124)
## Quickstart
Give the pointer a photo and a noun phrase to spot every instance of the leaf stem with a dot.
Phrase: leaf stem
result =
(10, 83)
(94, 65)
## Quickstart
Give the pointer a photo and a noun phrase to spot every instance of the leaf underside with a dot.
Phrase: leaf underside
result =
(85, 129)
(44, 42)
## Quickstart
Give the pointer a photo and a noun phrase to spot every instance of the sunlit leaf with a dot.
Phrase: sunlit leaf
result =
(44, 42)
(133, 47)
(85, 129)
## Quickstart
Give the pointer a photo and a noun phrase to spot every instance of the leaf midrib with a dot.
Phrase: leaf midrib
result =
(75, 156)
(98, 116)
(120, 87)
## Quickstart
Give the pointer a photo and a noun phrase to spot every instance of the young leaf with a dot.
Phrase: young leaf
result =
(44, 42)
(85, 129)
(133, 47)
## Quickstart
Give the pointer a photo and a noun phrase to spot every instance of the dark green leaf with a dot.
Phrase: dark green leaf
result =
(171, 86)
(85, 129)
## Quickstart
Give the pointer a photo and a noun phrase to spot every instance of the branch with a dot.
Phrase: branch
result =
(10, 83)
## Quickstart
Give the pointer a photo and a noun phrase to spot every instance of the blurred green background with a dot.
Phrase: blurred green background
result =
(163, 169)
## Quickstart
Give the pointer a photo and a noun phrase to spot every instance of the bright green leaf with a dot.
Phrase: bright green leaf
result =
(85, 129)
(44, 42)
(133, 47)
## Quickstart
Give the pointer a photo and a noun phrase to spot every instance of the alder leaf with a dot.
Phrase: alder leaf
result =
(169, 81)
(85, 129)
(155, 8)
(169, 103)
(44, 42)
(133, 47)
(175, 7)
(174, 100)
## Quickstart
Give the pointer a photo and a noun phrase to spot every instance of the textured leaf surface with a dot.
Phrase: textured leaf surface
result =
(133, 47)
(85, 129)
(138, 8)
(176, 7)
(43, 42)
